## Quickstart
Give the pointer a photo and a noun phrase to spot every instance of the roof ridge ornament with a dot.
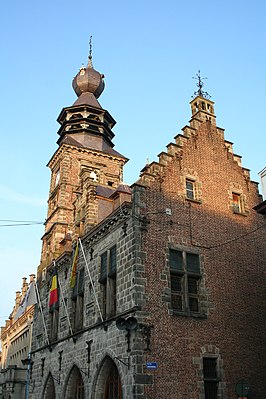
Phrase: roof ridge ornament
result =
(200, 85)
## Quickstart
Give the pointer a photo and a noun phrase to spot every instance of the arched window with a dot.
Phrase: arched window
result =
(49, 389)
(75, 385)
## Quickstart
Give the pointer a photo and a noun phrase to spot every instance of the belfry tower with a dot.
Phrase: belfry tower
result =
(85, 169)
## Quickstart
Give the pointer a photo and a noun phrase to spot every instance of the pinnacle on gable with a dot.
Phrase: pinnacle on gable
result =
(188, 131)
(155, 168)
(164, 158)
(181, 139)
(237, 159)
(173, 148)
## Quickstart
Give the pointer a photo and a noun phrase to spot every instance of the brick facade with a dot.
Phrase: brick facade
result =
(231, 247)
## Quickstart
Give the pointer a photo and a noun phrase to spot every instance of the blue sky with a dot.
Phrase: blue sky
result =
(148, 52)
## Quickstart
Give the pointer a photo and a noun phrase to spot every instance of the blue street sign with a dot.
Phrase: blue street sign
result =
(151, 365)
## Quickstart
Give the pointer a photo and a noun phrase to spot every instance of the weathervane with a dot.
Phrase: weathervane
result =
(200, 85)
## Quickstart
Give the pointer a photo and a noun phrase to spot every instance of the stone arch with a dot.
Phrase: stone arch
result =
(107, 383)
(49, 388)
(74, 388)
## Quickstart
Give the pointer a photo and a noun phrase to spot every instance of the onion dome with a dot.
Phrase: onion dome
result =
(88, 80)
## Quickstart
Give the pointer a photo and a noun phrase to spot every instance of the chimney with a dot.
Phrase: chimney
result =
(24, 285)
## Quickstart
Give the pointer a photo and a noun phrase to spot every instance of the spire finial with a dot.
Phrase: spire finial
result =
(200, 85)
(90, 53)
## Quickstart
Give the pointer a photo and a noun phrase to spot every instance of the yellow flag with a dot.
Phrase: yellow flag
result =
(74, 268)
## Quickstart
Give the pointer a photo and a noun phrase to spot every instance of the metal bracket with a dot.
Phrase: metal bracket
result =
(122, 361)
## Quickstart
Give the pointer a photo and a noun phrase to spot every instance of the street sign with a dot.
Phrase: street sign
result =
(151, 365)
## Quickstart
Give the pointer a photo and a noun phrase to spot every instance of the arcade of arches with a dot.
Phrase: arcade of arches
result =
(108, 384)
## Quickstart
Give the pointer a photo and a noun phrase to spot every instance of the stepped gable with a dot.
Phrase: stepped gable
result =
(202, 118)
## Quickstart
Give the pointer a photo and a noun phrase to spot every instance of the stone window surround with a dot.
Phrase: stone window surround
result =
(197, 186)
(237, 191)
(209, 351)
(242, 205)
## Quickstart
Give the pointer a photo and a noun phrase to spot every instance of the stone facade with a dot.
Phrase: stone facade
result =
(169, 299)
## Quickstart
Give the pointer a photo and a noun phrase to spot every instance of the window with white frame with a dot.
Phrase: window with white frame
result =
(193, 189)
(190, 189)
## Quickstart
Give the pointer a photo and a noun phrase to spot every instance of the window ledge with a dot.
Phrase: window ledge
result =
(200, 316)
(193, 200)
(240, 213)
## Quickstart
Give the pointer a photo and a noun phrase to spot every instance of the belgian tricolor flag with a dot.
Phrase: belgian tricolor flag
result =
(54, 293)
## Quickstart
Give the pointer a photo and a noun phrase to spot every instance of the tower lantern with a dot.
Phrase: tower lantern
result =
(202, 108)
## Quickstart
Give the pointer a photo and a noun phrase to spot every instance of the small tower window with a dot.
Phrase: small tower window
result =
(190, 189)
(236, 203)
(57, 178)
(93, 176)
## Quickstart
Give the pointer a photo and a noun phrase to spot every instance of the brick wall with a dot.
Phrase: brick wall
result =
(233, 270)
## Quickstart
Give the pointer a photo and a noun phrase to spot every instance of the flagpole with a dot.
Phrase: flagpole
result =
(64, 304)
(29, 362)
(40, 304)
(87, 266)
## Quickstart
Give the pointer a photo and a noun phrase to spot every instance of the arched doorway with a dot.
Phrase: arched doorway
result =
(49, 388)
(75, 385)
(108, 384)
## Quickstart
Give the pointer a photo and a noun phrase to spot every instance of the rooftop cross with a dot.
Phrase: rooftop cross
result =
(200, 85)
